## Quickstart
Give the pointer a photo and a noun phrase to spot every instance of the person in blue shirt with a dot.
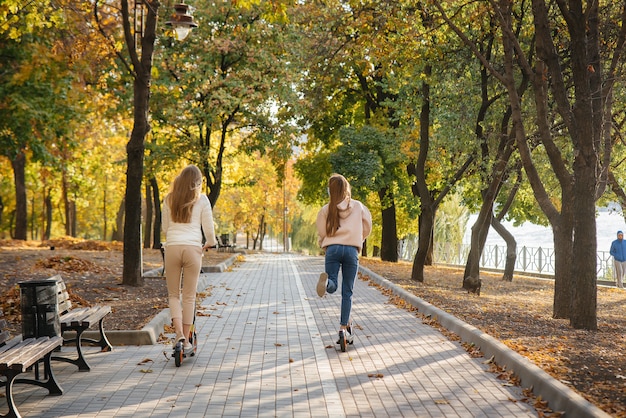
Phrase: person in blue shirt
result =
(618, 251)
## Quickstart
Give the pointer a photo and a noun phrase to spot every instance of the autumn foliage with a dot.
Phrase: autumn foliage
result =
(519, 314)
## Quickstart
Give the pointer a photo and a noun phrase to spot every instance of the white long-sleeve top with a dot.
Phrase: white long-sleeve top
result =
(177, 233)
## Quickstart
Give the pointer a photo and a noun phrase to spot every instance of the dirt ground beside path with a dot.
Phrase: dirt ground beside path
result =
(92, 271)
(518, 313)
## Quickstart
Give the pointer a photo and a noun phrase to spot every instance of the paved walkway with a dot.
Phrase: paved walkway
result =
(267, 348)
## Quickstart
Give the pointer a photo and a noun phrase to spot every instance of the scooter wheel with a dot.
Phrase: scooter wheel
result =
(178, 354)
(342, 342)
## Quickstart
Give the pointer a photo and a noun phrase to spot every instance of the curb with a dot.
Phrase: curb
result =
(149, 334)
(559, 396)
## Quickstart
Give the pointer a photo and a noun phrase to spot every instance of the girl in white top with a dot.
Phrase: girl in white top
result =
(187, 217)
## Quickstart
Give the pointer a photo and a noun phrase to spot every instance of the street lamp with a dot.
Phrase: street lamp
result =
(182, 21)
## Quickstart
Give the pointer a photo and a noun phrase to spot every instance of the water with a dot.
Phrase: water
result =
(608, 222)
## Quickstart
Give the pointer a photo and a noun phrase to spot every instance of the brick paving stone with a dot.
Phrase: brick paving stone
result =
(266, 347)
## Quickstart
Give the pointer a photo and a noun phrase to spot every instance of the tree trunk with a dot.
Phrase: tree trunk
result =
(389, 241)
(66, 201)
(584, 253)
(105, 219)
(131, 274)
(213, 171)
(471, 277)
(511, 244)
(582, 114)
(19, 177)
(561, 222)
(590, 100)
(260, 233)
(156, 199)
(429, 253)
(426, 219)
(48, 208)
(511, 249)
(33, 231)
(426, 225)
(118, 231)
(74, 220)
(429, 203)
(562, 231)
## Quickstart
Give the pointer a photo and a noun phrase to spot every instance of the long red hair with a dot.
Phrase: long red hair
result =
(184, 192)
(338, 190)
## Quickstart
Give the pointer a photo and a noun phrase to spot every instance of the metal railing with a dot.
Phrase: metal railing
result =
(529, 259)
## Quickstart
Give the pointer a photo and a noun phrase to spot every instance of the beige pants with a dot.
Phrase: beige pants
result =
(182, 269)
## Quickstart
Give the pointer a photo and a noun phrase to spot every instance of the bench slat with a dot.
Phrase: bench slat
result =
(22, 348)
(64, 306)
(63, 297)
(85, 317)
(96, 314)
(10, 344)
(68, 318)
(4, 336)
(34, 352)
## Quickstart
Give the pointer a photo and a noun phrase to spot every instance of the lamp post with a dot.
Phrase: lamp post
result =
(140, 40)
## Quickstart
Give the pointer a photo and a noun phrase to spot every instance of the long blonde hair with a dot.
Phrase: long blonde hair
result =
(184, 192)
(338, 190)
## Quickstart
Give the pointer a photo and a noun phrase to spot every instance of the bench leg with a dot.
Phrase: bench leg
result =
(103, 342)
(51, 384)
(80, 361)
(13, 413)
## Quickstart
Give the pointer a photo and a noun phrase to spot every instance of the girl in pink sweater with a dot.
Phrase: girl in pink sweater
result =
(342, 226)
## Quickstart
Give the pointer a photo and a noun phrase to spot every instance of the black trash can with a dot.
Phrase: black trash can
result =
(40, 312)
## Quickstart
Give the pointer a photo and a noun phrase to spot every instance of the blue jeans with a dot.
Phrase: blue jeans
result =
(347, 258)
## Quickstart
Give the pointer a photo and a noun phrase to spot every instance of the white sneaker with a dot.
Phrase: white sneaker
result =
(321, 284)
(178, 340)
(347, 334)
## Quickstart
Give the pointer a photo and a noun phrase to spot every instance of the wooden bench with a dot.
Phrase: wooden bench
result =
(224, 245)
(18, 356)
(79, 320)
